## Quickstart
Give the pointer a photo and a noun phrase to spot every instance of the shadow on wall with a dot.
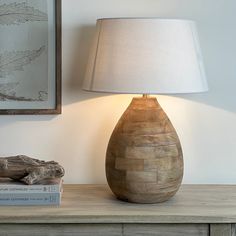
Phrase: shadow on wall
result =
(6, 120)
(73, 85)
(219, 62)
(219, 52)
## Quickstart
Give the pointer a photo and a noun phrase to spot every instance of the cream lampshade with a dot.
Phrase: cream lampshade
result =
(144, 161)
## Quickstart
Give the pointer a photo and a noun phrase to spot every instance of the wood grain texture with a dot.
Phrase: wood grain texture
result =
(233, 228)
(61, 230)
(97, 204)
(144, 161)
(221, 230)
(166, 230)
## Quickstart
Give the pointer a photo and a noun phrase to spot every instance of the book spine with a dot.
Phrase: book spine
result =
(8, 189)
(30, 199)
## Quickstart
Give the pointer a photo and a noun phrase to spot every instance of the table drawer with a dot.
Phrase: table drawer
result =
(60, 229)
(104, 230)
(166, 230)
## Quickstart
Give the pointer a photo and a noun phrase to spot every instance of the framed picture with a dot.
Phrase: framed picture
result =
(30, 57)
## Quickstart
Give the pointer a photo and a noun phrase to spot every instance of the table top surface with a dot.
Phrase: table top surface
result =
(96, 204)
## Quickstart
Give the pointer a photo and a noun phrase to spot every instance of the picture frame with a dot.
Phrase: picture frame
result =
(30, 57)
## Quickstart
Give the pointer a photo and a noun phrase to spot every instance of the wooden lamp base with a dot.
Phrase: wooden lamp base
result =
(144, 161)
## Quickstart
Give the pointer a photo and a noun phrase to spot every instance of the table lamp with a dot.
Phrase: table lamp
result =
(144, 160)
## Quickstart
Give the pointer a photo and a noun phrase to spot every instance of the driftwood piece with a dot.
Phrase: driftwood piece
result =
(29, 170)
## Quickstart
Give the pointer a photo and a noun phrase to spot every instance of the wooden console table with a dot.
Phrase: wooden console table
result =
(92, 210)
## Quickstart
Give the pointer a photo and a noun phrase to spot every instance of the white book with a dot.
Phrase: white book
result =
(8, 186)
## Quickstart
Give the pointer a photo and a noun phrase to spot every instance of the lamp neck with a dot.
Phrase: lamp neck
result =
(146, 95)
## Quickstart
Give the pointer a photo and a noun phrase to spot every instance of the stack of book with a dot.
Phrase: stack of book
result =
(14, 193)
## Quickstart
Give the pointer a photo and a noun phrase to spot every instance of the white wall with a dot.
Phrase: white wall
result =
(206, 123)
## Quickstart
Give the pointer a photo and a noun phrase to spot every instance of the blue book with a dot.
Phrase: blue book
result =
(32, 199)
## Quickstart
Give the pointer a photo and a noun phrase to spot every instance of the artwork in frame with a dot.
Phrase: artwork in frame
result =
(30, 56)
